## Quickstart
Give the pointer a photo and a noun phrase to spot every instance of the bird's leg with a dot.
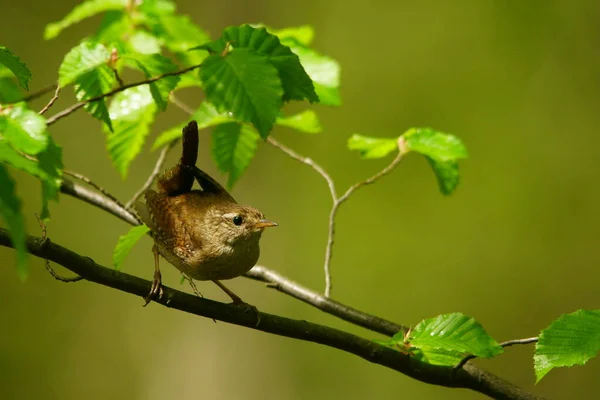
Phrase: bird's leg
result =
(238, 301)
(156, 288)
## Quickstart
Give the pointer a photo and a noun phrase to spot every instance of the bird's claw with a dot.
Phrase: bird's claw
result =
(247, 308)
(156, 290)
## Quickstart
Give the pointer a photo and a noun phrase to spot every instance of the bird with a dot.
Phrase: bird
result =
(205, 233)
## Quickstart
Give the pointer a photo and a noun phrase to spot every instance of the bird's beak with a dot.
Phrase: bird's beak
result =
(263, 223)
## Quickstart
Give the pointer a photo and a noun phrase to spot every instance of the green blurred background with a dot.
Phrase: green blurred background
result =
(515, 246)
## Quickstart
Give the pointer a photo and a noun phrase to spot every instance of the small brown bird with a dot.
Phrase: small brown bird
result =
(204, 233)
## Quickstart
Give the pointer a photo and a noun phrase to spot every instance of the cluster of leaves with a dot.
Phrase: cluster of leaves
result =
(247, 75)
(447, 339)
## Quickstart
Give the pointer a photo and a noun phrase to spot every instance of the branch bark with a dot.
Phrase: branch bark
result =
(469, 377)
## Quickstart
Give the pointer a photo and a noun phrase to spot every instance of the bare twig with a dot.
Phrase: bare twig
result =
(52, 100)
(157, 168)
(80, 104)
(508, 343)
(469, 377)
(184, 107)
(44, 242)
(39, 93)
(336, 205)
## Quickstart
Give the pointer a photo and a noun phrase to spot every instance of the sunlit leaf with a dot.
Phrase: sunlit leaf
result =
(131, 112)
(82, 11)
(144, 43)
(10, 209)
(434, 144)
(233, 148)
(24, 129)
(93, 84)
(155, 65)
(572, 339)
(245, 84)
(126, 243)
(453, 333)
(370, 147)
(50, 162)
(303, 34)
(16, 66)
(10, 91)
(306, 121)
(81, 59)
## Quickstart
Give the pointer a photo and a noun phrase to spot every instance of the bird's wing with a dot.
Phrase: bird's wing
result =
(209, 185)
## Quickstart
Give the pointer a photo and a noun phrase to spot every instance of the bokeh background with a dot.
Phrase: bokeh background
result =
(517, 245)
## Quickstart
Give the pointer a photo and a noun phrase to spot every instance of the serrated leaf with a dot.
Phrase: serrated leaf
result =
(438, 356)
(10, 209)
(155, 65)
(92, 84)
(24, 129)
(233, 148)
(50, 162)
(306, 121)
(370, 147)
(206, 116)
(454, 333)
(245, 84)
(80, 60)
(303, 34)
(10, 91)
(144, 43)
(16, 66)
(447, 175)
(80, 12)
(324, 72)
(296, 83)
(126, 243)
(434, 144)
(572, 339)
(131, 112)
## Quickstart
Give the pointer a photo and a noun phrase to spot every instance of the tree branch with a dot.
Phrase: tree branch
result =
(80, 104)
(52, 100)
(470, 377)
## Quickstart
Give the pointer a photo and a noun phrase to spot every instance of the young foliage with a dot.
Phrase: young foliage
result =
(154, 65)
(570, 340)
(246, 84)
(454, 333)
(10, 209)
(131, 112)
(24, 129)
(16, 66)
(10, 91)
(306, 121)
(126, 243)
(82, 11)
(370, 147)
(233, 147)
(50, 163)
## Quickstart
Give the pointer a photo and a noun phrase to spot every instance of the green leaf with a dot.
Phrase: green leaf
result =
(245, 84)
(10, 92)
(570, 340)
(131, 112)
(10, 209)
(80, 12)
(24, 129)
(306, 121)
(303, 34)
(454, 333)
(438, 356)
(155, 65)
(81, 59)
(370, 147)
(447, 175)
(324, 72)
(93, 84)
(16, 66)
(296, 83)
(206, 116)
(144, 43)
(50, 162)
(233, 147)
(434, 144)
(126, 243)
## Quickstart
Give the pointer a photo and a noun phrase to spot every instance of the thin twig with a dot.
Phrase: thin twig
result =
(118, 77)
(469, 377)
(157, 168)
(336, 205)
(184, 107)
(87, 180)
(39, 93)
(307, 161)
(80, 104)
(43, 244)
(508, 343)
(52, 100)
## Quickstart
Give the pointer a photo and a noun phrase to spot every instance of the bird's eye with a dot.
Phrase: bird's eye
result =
(238, 220)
